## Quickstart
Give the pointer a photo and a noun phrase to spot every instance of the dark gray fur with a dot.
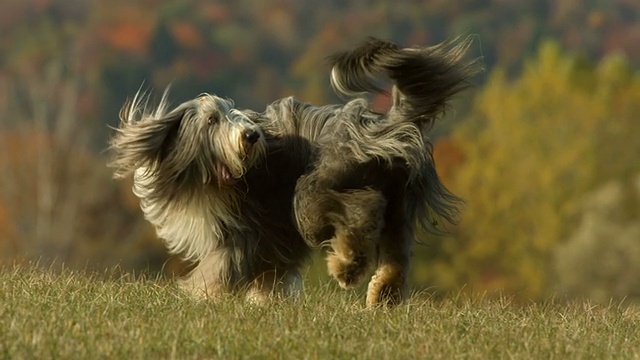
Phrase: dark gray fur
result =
(341, 175)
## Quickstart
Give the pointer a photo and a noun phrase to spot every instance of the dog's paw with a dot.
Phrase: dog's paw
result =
(347, 271)
(388, 287)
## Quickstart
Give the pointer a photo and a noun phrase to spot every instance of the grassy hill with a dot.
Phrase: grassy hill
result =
(67, 314)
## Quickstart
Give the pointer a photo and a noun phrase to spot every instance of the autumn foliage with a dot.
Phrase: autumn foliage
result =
(530, 151)
(551, 125)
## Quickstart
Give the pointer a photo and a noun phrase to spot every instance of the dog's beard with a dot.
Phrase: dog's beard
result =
(225, 154)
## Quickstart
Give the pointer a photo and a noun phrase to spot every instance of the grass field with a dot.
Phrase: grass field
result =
(71, 315)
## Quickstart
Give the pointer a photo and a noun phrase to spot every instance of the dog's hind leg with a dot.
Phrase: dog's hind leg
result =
(388, 285)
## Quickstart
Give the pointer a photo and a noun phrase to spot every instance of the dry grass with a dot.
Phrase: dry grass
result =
(62, 315)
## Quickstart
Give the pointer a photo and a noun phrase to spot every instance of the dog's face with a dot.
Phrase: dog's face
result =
(230, 143)
(202, 141)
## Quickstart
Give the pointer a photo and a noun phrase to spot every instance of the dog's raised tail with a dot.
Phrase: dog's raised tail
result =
(424, 78)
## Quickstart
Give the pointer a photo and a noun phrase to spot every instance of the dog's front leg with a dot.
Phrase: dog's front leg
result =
(349, 220)
(388, 285)
(357, 223)
(201, 285)
(275, 285)
(210, 278)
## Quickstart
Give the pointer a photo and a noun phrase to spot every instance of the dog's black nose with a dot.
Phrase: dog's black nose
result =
(251, 136)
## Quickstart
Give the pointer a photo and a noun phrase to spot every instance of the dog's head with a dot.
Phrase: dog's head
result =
(202, 141)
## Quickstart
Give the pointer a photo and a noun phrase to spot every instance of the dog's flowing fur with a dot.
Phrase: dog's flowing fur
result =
(246, 195)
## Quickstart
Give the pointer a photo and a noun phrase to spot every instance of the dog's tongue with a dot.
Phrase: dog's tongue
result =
(224, 175)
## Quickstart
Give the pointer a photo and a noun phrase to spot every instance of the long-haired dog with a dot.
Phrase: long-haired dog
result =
(248, 194)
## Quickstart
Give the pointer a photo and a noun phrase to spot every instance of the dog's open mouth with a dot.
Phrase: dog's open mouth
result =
(225, 177)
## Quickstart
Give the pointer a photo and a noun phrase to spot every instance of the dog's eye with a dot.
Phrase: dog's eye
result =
(212, 119)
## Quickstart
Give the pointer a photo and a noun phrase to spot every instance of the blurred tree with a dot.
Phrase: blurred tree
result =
(164, 46)
(601, 259)
(314, 84)
(186, 35)
(63, 205)
(8, 239)
(530, 151)
(256, 51)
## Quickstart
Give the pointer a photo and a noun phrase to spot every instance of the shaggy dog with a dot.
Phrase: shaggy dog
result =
(247, 195)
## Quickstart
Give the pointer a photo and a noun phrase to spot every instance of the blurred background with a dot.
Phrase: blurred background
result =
(545, 149)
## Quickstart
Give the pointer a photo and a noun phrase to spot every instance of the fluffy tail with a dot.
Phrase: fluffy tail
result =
(424, 78)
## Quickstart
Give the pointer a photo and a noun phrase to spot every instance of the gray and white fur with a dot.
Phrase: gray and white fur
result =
(248, 194)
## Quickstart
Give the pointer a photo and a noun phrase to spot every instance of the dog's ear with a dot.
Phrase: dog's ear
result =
(143, 139)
